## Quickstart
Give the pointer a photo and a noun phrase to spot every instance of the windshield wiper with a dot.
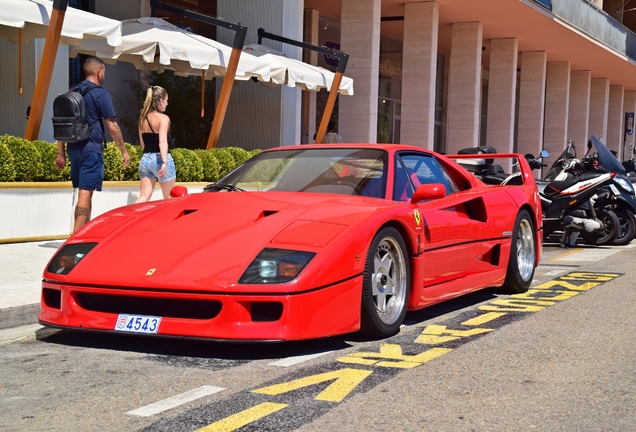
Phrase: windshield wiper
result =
(223, 186)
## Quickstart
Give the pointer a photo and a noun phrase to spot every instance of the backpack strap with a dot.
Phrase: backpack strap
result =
(101, 120)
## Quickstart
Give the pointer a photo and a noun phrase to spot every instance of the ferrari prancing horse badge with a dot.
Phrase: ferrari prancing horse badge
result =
(418, 218)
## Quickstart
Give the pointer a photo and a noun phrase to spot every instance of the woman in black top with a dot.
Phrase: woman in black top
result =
(156, 164)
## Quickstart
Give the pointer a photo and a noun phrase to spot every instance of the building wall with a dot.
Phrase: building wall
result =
(260, 116)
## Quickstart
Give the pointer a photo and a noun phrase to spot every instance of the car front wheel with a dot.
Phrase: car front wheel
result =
(386, 285)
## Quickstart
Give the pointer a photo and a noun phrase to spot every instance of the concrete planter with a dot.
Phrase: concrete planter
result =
(44, 211)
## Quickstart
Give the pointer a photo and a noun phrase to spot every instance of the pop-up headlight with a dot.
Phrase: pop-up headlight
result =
(67, 258)
(273, 266)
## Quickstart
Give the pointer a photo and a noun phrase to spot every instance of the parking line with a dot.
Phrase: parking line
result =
(290, 361)
(174, 401)
(587, 254)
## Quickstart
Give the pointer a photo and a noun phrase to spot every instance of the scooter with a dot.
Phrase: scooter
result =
(600, 159)
(569, 197)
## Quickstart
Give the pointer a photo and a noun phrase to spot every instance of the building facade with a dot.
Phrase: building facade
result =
(518, 75)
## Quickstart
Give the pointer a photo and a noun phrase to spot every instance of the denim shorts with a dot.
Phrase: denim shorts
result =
(150, 164)
(87, 167)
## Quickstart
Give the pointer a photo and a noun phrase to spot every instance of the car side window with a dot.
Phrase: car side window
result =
(413, 170)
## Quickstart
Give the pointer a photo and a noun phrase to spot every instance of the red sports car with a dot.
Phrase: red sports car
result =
(299, 242)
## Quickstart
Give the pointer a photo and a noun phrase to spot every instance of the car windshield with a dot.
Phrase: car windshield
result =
(330, 170)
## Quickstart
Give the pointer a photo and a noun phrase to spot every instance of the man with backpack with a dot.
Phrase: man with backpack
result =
(87, 155)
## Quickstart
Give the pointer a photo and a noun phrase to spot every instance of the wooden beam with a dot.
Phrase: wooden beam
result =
(331, 101)
(46, 69)
(224, 99)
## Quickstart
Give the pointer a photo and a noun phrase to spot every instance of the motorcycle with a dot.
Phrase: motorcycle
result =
(623, 202)
(579, 198)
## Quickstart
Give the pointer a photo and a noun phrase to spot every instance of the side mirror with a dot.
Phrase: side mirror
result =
(178, 191)
(544, 154)
(428, 192)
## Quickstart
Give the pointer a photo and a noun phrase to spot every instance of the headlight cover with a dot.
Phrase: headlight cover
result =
(625, 184)
(274, 266)
(67, 258)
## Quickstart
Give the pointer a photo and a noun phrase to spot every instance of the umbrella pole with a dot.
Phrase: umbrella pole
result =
(331, 101)
(20, 60)
(224, 99)
(202, 92)
(46, 69)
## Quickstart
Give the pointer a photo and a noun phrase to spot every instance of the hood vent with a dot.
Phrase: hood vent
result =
(266, 213)
(184, 213)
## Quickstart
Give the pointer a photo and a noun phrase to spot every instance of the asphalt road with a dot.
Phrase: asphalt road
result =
(559, 358)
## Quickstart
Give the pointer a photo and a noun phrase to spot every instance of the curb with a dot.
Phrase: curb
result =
(19, 315)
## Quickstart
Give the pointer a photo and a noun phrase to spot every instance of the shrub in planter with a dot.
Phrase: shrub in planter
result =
(7, 168)
(26, 158)
(225, 158)
(113, 168)
(131, 172)
(254, 152)
(188, 164)
(210, 165)
(50, 171)
(240, 155)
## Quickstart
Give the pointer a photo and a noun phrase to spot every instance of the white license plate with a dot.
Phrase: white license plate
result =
(614, 190)
(138, 323)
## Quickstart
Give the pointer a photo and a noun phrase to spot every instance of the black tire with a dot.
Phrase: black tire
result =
(386, 285)
(626, 227)
(523, 255)
(609, 233)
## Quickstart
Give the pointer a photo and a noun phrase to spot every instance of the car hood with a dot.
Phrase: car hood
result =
(207, 240)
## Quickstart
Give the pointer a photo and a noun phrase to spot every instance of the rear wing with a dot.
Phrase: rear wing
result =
(496, 168)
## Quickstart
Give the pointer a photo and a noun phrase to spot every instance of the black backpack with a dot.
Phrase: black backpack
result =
(69, 116)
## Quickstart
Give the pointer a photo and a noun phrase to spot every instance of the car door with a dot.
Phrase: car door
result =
(450, 226)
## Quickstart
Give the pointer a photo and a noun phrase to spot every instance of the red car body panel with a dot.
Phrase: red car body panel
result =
(192, 250)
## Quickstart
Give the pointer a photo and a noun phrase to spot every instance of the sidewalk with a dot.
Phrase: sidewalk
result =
(21, 267)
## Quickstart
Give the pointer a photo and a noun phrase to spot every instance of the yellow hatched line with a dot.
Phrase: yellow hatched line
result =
(243, 418)
(482, 319)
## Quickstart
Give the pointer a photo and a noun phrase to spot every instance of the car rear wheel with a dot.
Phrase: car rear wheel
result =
(386, 285)
(522, 255)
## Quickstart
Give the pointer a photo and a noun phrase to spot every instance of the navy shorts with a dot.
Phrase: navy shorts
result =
(87, 168)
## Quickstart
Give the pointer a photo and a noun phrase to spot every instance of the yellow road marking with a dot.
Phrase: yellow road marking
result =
(243, 418)
(346, 380)
(561, 283)
(482, 319)
(433, 334)
(393, 352)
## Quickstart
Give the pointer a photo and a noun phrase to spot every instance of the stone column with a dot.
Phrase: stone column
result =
(629, 106)
(464, 87)
(360, 38)
(531, 102)
(310, 36)
(599, 104)
(579, 110)
(502, 91)
(419, 67)
(615, 119)
(557, 93)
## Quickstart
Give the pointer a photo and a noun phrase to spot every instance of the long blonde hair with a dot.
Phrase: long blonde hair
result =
(153, 95)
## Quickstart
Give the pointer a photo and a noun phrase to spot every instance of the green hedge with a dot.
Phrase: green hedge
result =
(24, 161)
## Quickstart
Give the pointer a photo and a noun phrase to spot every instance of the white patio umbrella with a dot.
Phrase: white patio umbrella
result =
(32, 18)
(23, 20)
(295, 73)
(153, 44)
